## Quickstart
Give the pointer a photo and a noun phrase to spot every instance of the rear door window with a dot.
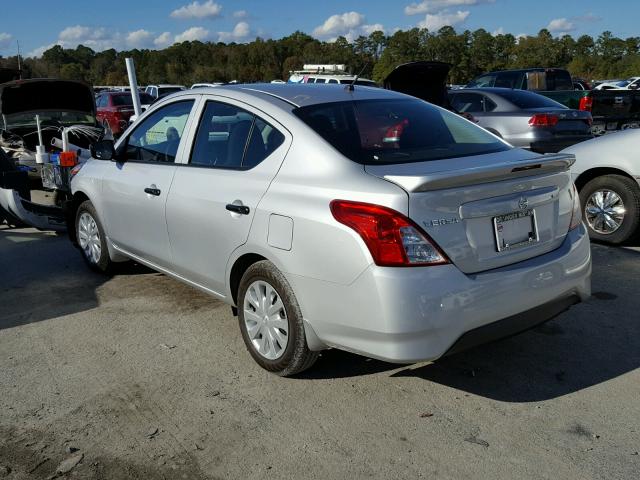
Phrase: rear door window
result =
(231, 137)
(509, 79)
(484, 81)
(467, 102)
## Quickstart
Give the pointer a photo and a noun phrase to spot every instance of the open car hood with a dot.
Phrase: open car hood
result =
(39, 95)
(425, 80)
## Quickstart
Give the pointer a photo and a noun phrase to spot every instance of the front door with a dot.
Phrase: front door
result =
(135, 190)
(214, 196)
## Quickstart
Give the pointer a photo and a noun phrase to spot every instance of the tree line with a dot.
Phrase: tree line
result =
(470, 53)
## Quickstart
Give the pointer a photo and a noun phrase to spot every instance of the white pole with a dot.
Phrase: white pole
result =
(133, 83)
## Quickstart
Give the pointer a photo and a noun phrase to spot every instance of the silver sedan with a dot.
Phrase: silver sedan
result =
(338, 217)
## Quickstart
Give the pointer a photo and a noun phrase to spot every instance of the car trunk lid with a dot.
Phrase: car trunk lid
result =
(569, 122)
(424, 80)
(39, 95)
(490, 210)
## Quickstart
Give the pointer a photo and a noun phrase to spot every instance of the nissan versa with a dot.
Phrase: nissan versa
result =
(338, 217)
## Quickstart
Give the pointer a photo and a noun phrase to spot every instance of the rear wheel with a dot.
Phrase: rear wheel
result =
(91, 238)
(271, 322)
(611, 208)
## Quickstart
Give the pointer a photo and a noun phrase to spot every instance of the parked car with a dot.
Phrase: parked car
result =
(324, 224)
(204, 85)
(524, 119)
(632, 83)
(113, 109)
(607, 175)
(157, 91)
(332, 74)
(611, 110)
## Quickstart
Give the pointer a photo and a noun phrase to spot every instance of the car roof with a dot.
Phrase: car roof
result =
(304, 94)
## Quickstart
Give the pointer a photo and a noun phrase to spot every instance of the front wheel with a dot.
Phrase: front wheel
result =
(91, 238)
(611, 208)
(271, 321)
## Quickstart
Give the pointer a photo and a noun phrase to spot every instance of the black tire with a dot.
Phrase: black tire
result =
(296, 357)
(629, 191)
(102, 263)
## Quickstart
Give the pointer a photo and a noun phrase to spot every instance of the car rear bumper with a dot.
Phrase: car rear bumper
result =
(556, 144)
(405, 315)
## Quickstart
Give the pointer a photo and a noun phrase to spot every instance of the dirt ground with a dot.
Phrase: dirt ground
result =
(138, 376)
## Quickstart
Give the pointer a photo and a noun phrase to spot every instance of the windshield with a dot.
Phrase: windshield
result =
(374, 132)
(55, 118)
(523, 99)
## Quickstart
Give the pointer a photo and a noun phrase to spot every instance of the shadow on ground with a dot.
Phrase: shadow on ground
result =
(594, 342)
(45, 263)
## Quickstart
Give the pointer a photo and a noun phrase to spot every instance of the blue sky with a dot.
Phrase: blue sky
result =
(124, 24)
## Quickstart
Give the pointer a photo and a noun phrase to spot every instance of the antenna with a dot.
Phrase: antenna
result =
(349, 87)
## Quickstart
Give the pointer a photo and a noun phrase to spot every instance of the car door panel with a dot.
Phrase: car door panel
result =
(211, 207)
(135, 191)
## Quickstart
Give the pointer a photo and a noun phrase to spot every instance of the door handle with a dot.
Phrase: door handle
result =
(152, 191)
(241, 209)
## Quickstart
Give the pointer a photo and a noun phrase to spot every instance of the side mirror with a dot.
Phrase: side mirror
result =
(103, 150)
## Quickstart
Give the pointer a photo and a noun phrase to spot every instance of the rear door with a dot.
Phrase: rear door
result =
(135, 190)
(235, 153)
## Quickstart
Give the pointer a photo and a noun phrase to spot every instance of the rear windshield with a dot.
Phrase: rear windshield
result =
(377, 132)
(524, 99)
(123, 100)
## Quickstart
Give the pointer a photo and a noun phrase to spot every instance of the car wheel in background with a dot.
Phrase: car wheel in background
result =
(91, 238)
(271, 322)
(611, 208)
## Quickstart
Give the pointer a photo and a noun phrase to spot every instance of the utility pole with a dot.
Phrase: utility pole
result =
(19, 67)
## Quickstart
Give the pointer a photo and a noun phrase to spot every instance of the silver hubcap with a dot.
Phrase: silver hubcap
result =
(604, 211)
(89, 237)
(265, 320)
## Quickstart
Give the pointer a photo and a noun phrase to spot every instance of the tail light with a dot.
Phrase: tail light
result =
(576, 212)
(543, 120)
(395, 132)
(586, 104)
(74, 171)
(393, 239)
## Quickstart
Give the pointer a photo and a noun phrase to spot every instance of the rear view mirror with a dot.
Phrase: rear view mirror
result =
(103, 150)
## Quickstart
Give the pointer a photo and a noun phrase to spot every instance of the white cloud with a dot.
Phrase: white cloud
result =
(241, 14)
(561, 25)
(436, 21)
(240, 33)
(339, 24)
(435, 6)
(208, 9)
(140, 39)
(163, 40)
(193, 33)
(5, 40)
(498, 31)
(349, 25)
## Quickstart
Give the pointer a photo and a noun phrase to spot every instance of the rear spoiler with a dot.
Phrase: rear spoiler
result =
(496, 172)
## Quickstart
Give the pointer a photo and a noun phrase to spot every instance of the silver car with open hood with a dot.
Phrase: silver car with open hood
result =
(336, 217)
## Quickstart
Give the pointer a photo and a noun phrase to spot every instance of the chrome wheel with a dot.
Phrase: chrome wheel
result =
(89, 237)
(604, 211)
(265, 320)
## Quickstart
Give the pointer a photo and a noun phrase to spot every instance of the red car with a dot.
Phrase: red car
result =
(115, 108)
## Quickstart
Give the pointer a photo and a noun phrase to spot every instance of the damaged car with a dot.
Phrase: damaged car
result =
(40, 119)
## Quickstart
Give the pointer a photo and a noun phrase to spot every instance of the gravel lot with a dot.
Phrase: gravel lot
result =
(149, 379)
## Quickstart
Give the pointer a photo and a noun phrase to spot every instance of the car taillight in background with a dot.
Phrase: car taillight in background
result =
(395, 132)
(543, 120)
(586, 104)
(393, 239)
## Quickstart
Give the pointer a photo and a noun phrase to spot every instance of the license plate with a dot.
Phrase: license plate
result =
(612, 126)
(515, 230)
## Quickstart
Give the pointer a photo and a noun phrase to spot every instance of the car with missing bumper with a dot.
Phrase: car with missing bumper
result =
(329, 217)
